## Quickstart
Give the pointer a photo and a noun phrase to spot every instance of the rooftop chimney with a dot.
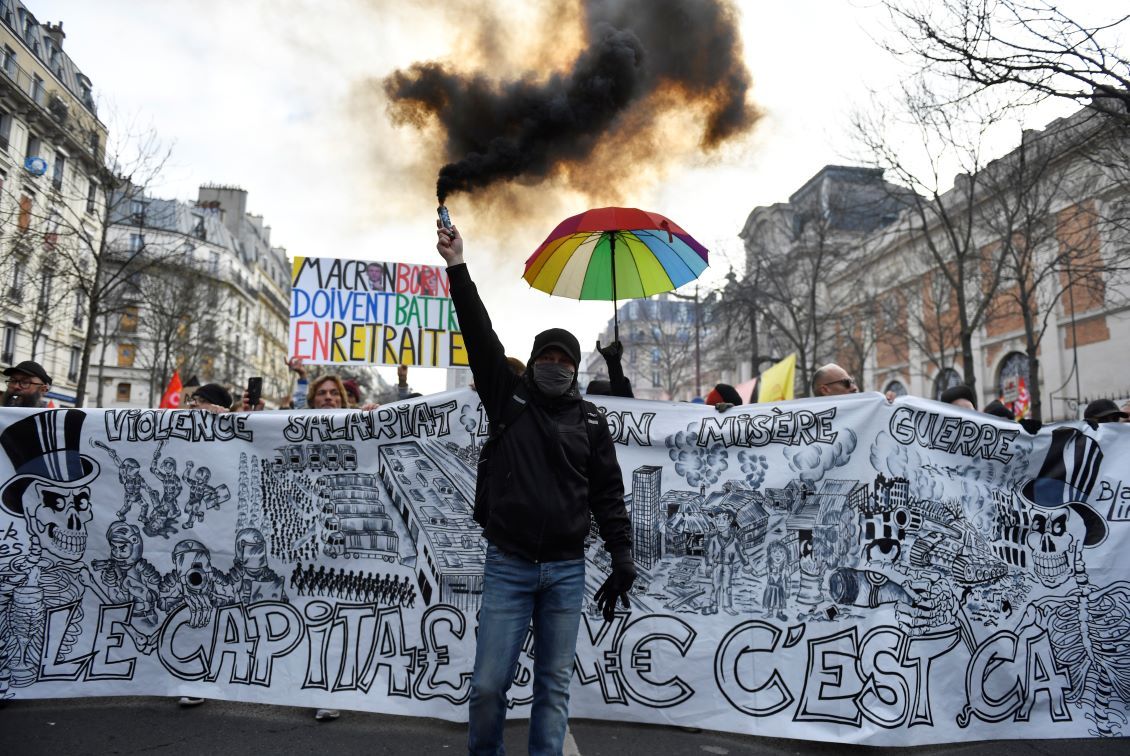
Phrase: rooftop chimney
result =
(56, 33)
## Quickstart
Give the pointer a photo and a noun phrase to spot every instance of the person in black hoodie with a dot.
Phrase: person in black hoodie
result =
(551, 464)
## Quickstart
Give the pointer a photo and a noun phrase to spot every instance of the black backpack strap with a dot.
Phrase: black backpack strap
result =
(593, 418)
(519, 400)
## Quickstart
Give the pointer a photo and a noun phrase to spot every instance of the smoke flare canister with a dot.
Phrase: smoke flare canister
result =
(444, 216)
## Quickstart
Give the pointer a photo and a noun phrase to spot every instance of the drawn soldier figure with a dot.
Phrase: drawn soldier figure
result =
(126, 575)
(165, 510)
(196, 583)
(722, 553)
(251, 578)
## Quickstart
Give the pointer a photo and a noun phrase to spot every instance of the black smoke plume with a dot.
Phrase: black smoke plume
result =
(660, 54)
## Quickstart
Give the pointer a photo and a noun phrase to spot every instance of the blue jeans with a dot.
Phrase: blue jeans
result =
(514, 591)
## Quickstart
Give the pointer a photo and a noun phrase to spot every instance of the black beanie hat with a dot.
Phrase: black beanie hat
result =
(214, 393)
(960, 391)
(998, 408)
(560, 338)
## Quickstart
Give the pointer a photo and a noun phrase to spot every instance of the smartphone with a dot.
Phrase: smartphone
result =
(254, 391)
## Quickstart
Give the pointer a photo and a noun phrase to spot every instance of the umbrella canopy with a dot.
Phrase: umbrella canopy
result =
(615, 253)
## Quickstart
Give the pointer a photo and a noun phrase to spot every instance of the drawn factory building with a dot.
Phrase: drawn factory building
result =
(822, 506)
(647, 516)
(1013, 526)
(887, 515)
(449, 563)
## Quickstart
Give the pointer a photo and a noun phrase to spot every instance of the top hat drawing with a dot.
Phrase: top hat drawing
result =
(45, 447)
(1066, 478)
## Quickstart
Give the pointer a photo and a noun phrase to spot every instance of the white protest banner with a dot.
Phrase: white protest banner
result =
(840, 570)
(382, 313)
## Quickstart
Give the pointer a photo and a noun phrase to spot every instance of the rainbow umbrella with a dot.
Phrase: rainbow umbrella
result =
(615, 253)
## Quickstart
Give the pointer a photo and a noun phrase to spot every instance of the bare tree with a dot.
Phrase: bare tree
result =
(794, 253)
(959, 276)
(83, 251)
(659, 347)
(173, 334)
(1029, 48)
(1041, 207)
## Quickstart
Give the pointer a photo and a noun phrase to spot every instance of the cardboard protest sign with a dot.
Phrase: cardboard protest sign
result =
(382, 313)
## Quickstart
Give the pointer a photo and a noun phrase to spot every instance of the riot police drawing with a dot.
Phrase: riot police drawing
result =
(194, 582)
(162, 517)
(51, 491)
(134, 488)
(126, 575)
(200, 494)
(251, 578)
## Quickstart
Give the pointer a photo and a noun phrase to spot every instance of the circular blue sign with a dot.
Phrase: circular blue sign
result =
(36, 165)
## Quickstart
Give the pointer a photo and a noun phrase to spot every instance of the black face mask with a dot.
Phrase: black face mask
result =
(553, 379)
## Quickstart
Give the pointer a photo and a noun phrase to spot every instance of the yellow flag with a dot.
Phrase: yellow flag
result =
(776, 383)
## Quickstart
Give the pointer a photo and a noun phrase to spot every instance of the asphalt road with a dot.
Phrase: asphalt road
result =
(159, 726)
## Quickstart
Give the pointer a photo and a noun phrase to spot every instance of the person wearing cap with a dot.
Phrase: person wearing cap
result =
(1105, 411)
(833, 380)
(960, 395)
(211, 397)
(723, 396)
(551, 466)
(27, 385)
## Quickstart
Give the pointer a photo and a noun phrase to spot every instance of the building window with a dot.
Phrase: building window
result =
(59, 170)
(16, 290)
(37, 89)
(123, 392)
(9, 62)
(91, 194)
(948, 378)
(137, 212)
(80, 308)
(896, 388)
(198, 229)
(136, 242)
(73, 365)
(126, 355)
(127, 323)
(10, 332)
(33, 145)
(5, 129)
(45, 290)
(23, 221)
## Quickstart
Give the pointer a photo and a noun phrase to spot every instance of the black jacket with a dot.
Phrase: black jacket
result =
(543, 479)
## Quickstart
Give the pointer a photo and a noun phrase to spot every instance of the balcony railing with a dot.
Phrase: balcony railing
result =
(50, 105)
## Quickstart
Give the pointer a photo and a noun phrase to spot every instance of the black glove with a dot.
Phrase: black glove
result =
(616, 586)
(613, 351)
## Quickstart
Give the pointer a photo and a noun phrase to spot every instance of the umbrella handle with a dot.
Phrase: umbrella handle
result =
(615, 309)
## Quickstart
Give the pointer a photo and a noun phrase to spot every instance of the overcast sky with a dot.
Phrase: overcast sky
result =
(280, 99)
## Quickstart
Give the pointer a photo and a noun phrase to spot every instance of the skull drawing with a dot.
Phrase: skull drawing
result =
(1061, 521)
(51, 485)
(1053, 537)
(59, 517)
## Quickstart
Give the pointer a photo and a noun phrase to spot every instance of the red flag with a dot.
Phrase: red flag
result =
(1023, 401)
(171, 398)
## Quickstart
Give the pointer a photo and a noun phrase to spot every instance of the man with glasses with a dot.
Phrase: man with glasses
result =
(833, 380)
(28, 383)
